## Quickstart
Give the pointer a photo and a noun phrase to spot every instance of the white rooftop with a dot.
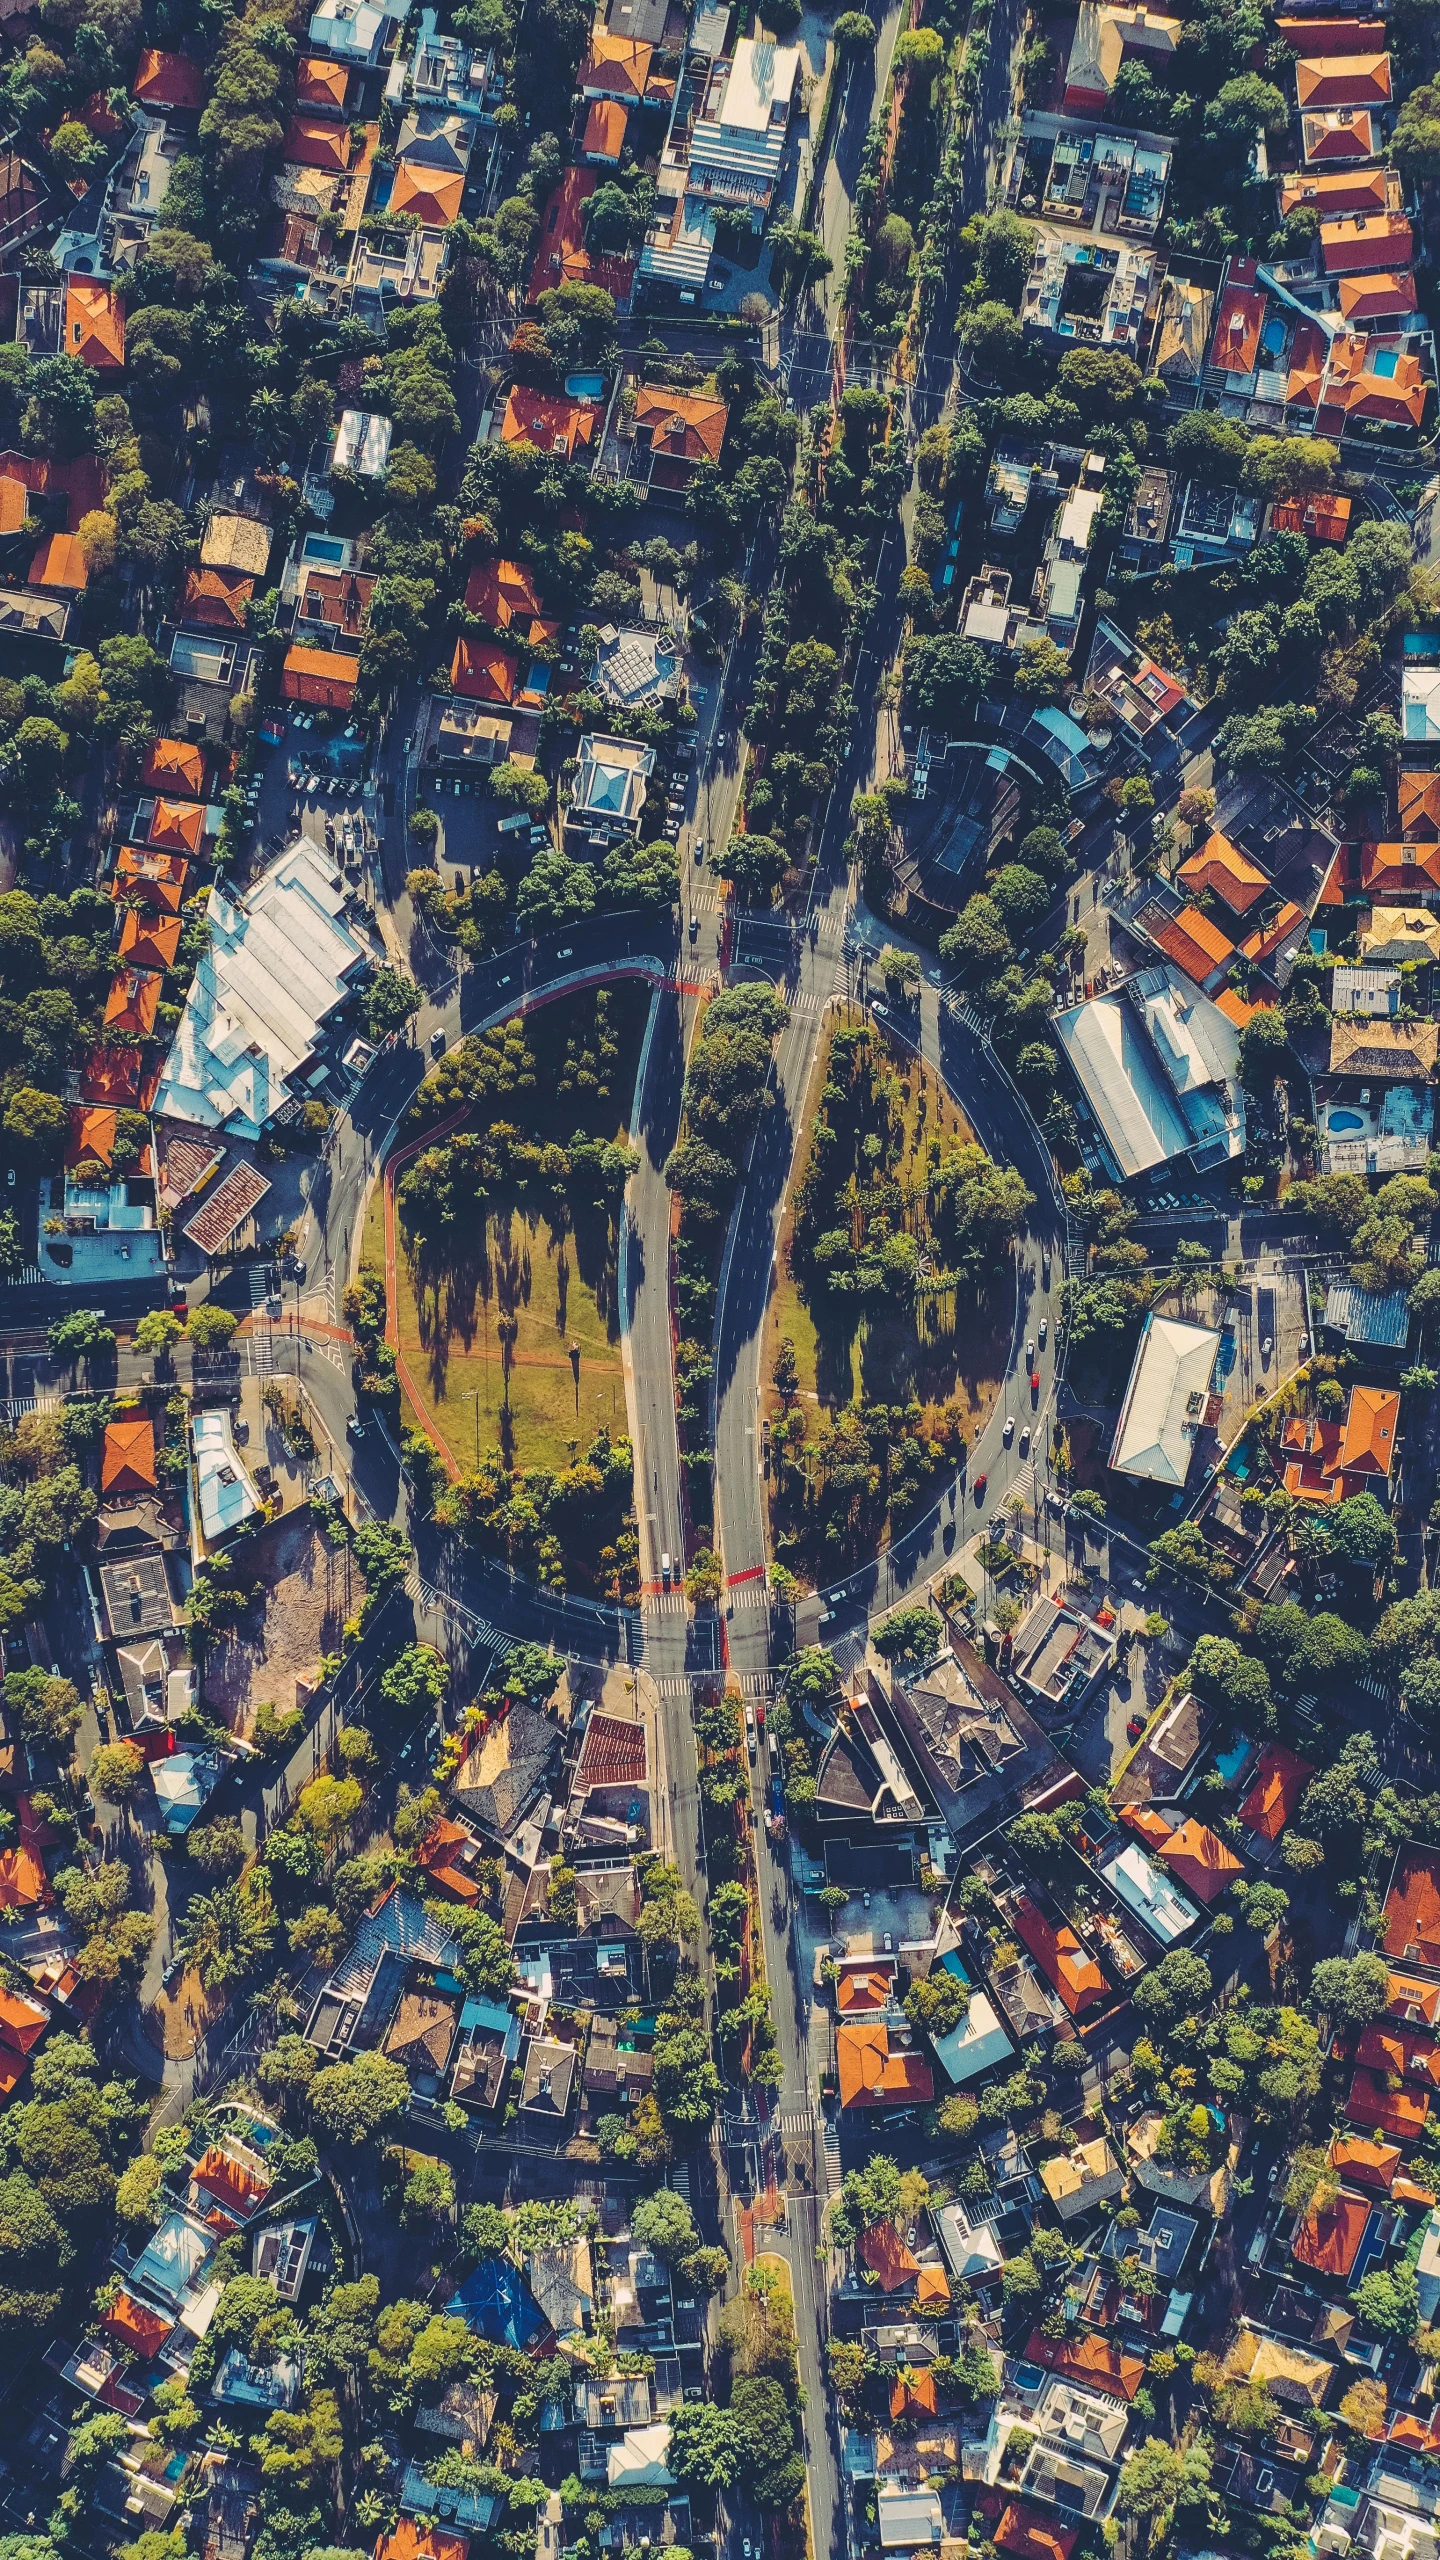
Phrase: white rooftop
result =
(278, 963)
(1420, 705)
(971, 2249)
(761, 85)
(1159, 1066)
(976, 2045)
(1147, 1892)
(362, 442)
(1165, 1400)
(641, 2458)
(910, 2519)
(227, 1496)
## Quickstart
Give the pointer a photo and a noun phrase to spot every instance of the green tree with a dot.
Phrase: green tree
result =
(352, 2102)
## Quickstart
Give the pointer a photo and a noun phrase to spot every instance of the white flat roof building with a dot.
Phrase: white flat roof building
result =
(738, 139)
(354, 30)
(1159, 1067)
(1141, 1886)
(971, 2249)
(226, 1493)
(1165, 1402)
(910, 2520)
(976, 2045)
(362, 443)
(1420, 706)
(280, 961)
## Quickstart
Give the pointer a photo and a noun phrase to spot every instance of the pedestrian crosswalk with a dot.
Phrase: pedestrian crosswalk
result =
(480, 1629)
(663, 1604)
(757, 1684)
(793, 2126)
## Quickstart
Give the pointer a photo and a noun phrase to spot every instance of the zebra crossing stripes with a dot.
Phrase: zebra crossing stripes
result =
(795, 2127)
(663, 1604)
(501, 1646)
(757, 1684)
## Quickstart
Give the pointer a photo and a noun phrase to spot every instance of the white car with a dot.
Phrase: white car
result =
(1025, 1440)
(1008, 1434)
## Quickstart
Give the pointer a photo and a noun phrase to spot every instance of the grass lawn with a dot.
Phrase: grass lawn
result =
(557, 1291)
(949, 1351)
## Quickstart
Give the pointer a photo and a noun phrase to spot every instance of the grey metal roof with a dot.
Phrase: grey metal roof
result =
(1367, 1315)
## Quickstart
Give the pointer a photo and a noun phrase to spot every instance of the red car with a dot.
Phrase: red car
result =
(1134, 1728)
(978, 1488)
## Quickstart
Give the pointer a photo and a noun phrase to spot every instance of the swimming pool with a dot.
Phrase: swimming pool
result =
(323, 546)
(584, 386)
(1344, 1120)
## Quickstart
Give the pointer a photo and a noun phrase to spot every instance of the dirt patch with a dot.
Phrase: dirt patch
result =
(311, 1588)
(180, 2017)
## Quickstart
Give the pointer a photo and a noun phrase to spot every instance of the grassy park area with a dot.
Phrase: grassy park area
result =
(890, 1321)
(507, 1311)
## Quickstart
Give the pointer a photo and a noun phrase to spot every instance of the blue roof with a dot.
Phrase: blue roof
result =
(497, 2304)
(479, 2012)
(1068, 732)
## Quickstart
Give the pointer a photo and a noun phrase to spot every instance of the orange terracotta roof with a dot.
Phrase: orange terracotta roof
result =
(932, 2283)
(1420, 804)
(138, 2325)
(1367, 1443)
(175, 765)
(177, 826)
(317, 142)
(1264, 944)
(551, 424)
(1328, 2237)
(1343, 80)
(119, 1076)
(1407, 2052)
(1220, 865)
(563, 256)
(218, 597)
(1363, 2162)
(914, 2395)
(1416, 2002)
(1397, 870)
(432, 195)
(1279, 1783)
(1234, 1008)
(1339, 135)
(127, 1457)
(149, 942)
(1238, 324)
(1093, 2361)
(321, 676)
(14, 502)
(484, 672)
(614, 66)
(1357, 241)
(863, 1989)
(1402, 2113)
(887, 2256)
(412, 2541)
(872, 2076)
(1060, 1956)
(60, 562)
(1332, 35)
(1412, 1907)
(23, 1883)
(95, 325)
(1201, 1860)
(604, 135)
(92, 1136)
(1331, 191)
(1144, 1819)
(156, 879)
(1195, 944)
(169, 80)
(232, 2183)
(686, 426)
(319, 83)
(1375, 298)
(1032, 2536)
(133, 1002)
(505, 595)
(1324, 517)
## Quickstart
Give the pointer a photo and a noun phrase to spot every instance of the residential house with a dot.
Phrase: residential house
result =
(1167, 1401)
(1332, 1460)
(1104, 38)
(875, 2071)
(1066, 1965)
(1089, 2173)
(679, 430)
